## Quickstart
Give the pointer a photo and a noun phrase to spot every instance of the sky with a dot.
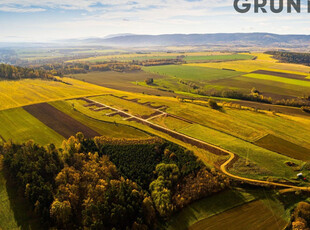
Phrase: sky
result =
(51, 20)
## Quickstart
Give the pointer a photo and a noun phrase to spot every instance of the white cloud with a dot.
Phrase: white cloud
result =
(20, 10)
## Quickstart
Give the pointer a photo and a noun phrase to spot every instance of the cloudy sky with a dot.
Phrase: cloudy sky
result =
(48, 20)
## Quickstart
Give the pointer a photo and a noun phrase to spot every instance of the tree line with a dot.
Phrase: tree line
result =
(104, 183)
(15, 72)
(291, 57)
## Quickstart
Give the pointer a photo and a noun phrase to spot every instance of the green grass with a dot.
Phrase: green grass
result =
(29, 91)
(109, 129)
(218, 57)
(191, 72)
(207, 207)
(20, 126)
(255, 215)
(284, 147)
(128, 59)
(290, 81)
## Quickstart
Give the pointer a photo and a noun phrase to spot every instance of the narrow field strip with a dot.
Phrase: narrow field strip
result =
(59, 121)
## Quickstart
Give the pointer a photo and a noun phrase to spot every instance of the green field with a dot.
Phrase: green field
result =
(284, 147)
(20, 126)
(124, 105)
(289, 81)
(30, 91)
(255, 215)
(109, 129)
(125, 81)
(191, 72)
(207, 207)
(218, 58)
(230, 75)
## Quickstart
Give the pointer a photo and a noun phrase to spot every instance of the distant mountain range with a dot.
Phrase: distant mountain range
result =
(264, 40)
(235, 39)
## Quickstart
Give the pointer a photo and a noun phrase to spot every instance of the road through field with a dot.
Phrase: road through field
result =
(201, 144)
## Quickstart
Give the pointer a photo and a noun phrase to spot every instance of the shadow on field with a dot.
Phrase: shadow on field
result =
(23, 213)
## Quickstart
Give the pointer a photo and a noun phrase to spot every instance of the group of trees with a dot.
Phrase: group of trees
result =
(77, 67)
(15, 72)
(191, 84)
(300, 219)
(253, 96)
(306, 109)
(291, 57)
(293, 102)
(104, 183)
(154, 62)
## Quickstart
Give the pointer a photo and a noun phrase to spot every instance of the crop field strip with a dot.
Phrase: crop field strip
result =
(281, 74)
(59, 121)
(254, 215)
(123, 81)
(21, 126)
(194, 73)
(19, 93)
(208, 207)
(284, 147)
(161, 55)
(93, 119)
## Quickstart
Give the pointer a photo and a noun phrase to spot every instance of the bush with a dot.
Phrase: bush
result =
(213, 104)
(149, 81)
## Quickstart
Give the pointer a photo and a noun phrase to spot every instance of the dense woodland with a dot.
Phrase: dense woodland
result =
(104, 183)
(15, 72)
(291, 57)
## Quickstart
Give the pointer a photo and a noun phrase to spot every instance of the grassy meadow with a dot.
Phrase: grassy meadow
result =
(30, 91)
(234, 75)
(262, 62)
(254, 215)
(162, 55)
(192, 59)
(191, 72)
(208, 207)
(20, 126)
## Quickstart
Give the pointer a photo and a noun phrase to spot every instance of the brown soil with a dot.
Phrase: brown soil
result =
(59, 121)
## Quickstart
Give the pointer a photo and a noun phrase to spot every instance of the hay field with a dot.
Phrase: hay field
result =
(29, 91)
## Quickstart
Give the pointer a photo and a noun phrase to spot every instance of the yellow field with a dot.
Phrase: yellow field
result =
(263, 62)
(29, 91)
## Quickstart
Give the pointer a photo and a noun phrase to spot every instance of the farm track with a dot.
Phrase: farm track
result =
(59, 121)
(204, 145)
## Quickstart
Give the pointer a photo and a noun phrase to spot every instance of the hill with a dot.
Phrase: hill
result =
(240, 39)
